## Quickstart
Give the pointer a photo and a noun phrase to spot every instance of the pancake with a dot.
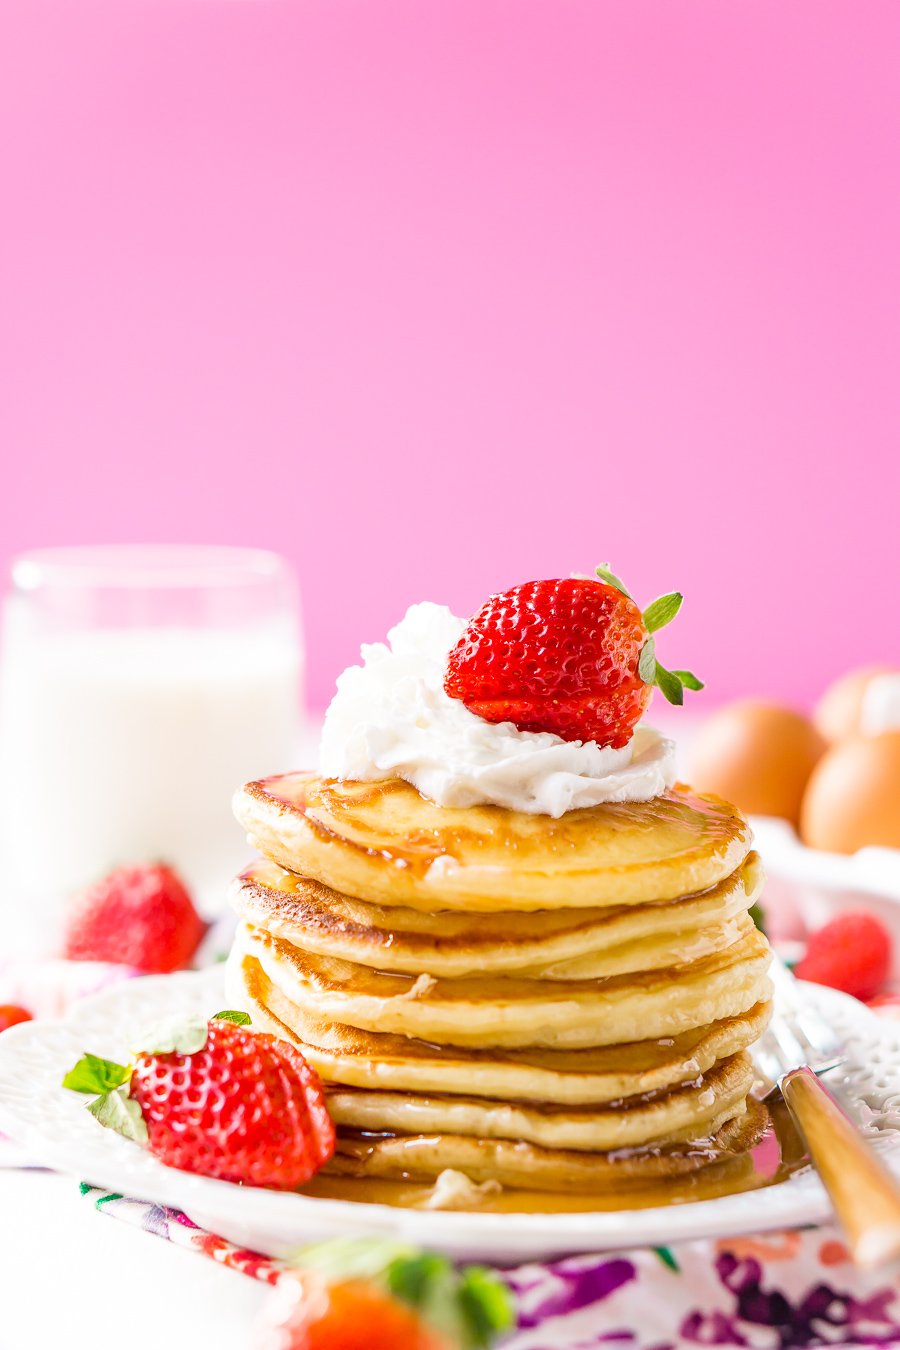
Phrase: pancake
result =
(560, 944)
(526, 1166)
(552, 1005)
(364, 1059)
(507, 1012)
(388, 844)
(667, 1117)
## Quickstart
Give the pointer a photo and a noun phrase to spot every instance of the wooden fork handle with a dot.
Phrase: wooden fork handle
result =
(865, 1195)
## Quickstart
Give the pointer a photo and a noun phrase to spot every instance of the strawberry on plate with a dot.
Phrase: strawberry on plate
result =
(377, 1294)
(851, 953)
(218, 1099)
(574, 656)
(138, 916)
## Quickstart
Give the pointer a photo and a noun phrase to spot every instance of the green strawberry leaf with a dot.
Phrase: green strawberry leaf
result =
(611, 579)
(429, 1284)
(688, 680)
(647, 662)
(410, 1278)
(176, 1036)
(669, 685)
(662, 611)
(487, 1303)
(93, 1074)
(240, 1019)
(117, 1111)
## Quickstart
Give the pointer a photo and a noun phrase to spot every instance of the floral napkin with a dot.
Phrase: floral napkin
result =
(782, 1290)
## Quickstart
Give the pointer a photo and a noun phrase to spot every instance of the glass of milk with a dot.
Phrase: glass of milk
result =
(139, 686)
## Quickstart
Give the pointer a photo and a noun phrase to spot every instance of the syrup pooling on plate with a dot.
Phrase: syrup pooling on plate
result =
(778, 1156)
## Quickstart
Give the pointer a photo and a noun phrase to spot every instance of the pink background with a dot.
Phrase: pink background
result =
(437, 297)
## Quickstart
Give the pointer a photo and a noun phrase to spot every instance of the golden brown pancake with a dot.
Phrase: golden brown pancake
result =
(554, 1005)
(526, 1166)
(386, 843)
(509, 1011)
(365, 1059)
(560, 944)
(681, 1113)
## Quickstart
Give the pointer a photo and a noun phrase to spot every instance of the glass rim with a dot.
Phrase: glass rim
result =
(147, 567)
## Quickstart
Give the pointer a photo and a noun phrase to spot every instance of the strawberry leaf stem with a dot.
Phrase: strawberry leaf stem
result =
(95, 1075)
(118, 1112)
(174, 1036)
(670, 683)
(604, 573)
(688, 680)
(240, 1019)
(647, 662)
(662, 611)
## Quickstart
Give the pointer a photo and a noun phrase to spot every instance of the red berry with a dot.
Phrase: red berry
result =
(11, 1015)
(558, 656)
(137, 916)
(246, 1108)
(310, 1314)
(852, 953)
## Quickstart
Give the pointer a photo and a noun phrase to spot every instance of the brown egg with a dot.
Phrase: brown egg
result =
(757, 755)
(837, 713)
(853, 796)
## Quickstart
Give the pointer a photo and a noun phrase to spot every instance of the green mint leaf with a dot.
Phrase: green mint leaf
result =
(688, 680)
(240, 1019)
(669, 685)
(176, 1036)
(604, 573)
(439, 1305)
(93, 1074)
(487, 1304)
(647, 662)
(662, 611)
(117, 1111)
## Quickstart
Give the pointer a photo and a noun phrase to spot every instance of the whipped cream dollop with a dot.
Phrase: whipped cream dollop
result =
(391, 718)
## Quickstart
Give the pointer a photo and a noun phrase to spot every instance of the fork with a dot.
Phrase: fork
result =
(798, 1046)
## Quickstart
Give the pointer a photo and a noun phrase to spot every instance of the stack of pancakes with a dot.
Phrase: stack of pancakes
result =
(552, 1005)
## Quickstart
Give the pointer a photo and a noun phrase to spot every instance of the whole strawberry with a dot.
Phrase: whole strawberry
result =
(215, 1098)
(136, 916)
(574, 656)
(311, 1313)
(851, 953)
(378, 1294)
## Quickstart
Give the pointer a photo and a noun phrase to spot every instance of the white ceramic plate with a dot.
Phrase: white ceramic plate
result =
(52, 1124)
